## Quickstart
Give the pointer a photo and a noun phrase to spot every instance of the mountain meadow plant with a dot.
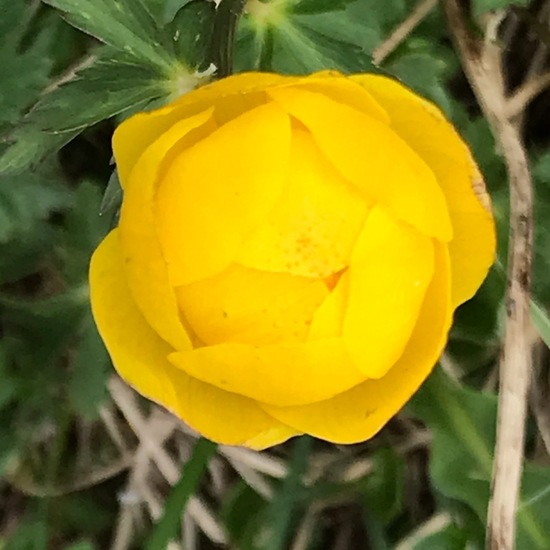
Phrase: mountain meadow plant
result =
(274, 274)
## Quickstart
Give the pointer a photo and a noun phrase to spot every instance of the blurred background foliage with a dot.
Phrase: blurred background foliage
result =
(85, 463)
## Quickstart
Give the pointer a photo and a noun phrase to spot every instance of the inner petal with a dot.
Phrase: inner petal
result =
(312, 229)
(370, 155)
(391, 268)
(216, 192)
(329, 317)
(248, 306)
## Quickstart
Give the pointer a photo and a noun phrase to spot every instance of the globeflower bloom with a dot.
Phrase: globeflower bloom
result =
(289, 254)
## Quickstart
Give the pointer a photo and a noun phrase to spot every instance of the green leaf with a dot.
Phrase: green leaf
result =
(436, 534)
(107, 87)
(25, 200)
(112, 198)
(383, 487)
(8, 388)
(80, 546)
(481, 7)
(168, 525)
(342, 29)
(425, 72)
(156, 8)
(90, 369)
(292, 41)
(242, 513)
(31, 534)
(319, 6)
(83, 231)
(280, 514)
(20, 256)
(26, 203)
(49, 323)
(541, 321)
(298, 50)
(172, 7)
(191, 32)
(28, 146)
(26, 62)
(123, 24)
(463, 422)
(111, 85)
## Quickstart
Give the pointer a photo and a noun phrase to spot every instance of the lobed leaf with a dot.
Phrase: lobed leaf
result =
(123, 24)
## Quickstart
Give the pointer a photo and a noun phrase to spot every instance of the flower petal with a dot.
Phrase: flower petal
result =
(425, 128)
(216, 192)
(312, 229)
(391, 268)
(361, 412)
(251, 307)
(344, 90)
(145, 266)
(234, 95)
(374, 158)
(286, 374)
(328, 319)
(136, 133)
(140, 357)
(231, 96)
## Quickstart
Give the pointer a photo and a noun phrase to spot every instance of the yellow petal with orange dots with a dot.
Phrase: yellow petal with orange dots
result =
(328, 319)
(373, 158)
(311, 230)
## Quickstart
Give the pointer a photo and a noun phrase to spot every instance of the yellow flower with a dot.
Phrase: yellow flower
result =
(289, 254)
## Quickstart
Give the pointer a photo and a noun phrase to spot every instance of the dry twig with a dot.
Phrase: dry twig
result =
(400, 33)
(483, 66)
(526, 93)
(125, 399)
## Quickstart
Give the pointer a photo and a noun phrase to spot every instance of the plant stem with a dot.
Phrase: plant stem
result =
(223, 35)
(482, 62)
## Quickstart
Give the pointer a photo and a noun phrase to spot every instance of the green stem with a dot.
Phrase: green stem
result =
(443, 397)
(168, 525)
(284, 505)
(223, 35)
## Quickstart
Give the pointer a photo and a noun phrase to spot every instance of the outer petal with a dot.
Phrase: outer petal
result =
(391, 268)
(135, 134)
(139, 356)
(287, 374)
(313, 227)
(426, 130)
(145, 266)
(361, 412)
(251, 307)
(215, 193)
(344, 90)
(233, 95)
(373, 158)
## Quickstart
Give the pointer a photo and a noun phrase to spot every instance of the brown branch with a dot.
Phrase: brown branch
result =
(398, 35)
(482, 65)
(526, 93)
